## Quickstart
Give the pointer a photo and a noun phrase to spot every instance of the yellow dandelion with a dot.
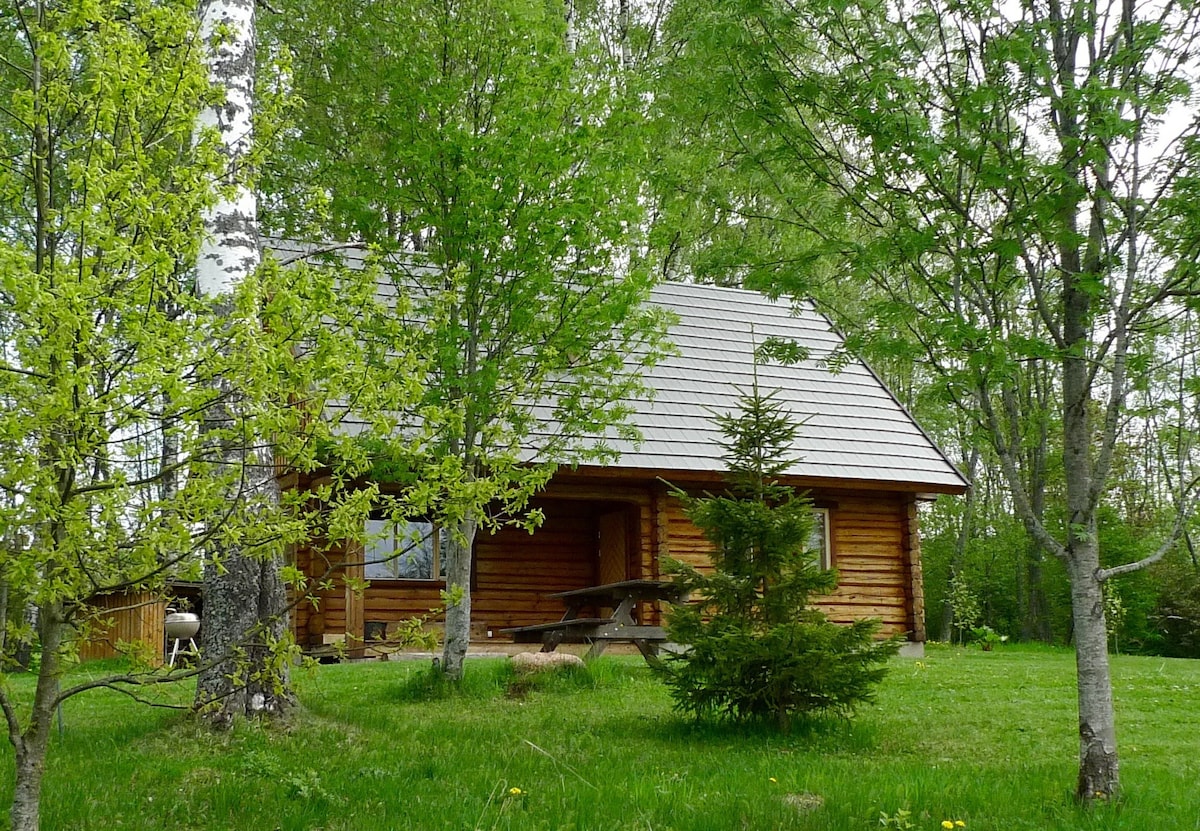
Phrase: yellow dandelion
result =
(515, 791)
(947, 823)
(958, 823)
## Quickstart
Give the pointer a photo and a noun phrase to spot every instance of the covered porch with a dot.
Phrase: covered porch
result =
(590, 536)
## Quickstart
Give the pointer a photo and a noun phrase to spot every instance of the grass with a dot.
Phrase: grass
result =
(987, 738)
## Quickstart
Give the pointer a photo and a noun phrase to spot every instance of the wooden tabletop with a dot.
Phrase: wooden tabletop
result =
(637, 589)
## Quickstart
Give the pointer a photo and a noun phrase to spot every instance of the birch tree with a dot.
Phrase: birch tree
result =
(1000, 162)
(245, 615)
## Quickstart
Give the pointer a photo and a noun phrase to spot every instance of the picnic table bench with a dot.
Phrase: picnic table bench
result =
(622, 598)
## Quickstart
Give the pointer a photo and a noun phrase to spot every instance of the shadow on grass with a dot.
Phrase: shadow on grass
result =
(479, 682)
(825, 734)
(494, 680)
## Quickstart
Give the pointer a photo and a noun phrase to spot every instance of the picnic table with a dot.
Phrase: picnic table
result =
(620, 625)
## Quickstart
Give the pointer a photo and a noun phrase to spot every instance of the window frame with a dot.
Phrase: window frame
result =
(822, 518)
(392, 528)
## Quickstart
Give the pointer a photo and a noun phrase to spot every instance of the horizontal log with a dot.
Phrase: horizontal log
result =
(542, 538)
(873, 536)
(858, 611)
(429, 597)
(886, 629)
(868, 556)
(516, 584)
(880, 594)
(891, 584)
(866, 513)
(533, 565)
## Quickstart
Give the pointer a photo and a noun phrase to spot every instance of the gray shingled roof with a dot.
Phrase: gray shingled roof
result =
(853, 428)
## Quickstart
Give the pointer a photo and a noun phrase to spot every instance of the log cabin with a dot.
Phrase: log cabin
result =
(861, 457)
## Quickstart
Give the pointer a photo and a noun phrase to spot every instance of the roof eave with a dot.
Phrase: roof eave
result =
(684, 477)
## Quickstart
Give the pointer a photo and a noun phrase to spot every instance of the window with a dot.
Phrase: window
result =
(412, 550)
(818, 542)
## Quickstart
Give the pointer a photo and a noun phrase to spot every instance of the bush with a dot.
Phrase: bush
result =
(756, 650)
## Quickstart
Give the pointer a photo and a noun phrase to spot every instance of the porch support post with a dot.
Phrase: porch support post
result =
(660, 540)
(354, 573)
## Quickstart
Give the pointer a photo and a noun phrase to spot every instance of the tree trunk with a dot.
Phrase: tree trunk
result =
(1098, 770)
(31, 744)
(458, 589)
(1098, 775)
(624, 22)
(244, 599)
(230, 249)
(1036, 625)
(570, 36)
(1037, 608)
(27, 794)
(3, 620)
(22, 651)
(960, 545)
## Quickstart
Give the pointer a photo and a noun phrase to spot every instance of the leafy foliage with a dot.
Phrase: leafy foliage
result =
(755, 649)
(1014, 183)
(490, 165)
(965, 604)
(114, 376)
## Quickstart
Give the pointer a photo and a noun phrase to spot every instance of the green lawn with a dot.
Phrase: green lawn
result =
(987, 738)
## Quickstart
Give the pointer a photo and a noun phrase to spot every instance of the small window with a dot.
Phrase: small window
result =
(411, 550)
(818, 542)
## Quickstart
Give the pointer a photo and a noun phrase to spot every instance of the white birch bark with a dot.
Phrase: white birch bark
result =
(571, 35)
(244, 597)
(230, 249)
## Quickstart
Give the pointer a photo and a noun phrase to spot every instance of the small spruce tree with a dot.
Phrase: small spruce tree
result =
(756, 650)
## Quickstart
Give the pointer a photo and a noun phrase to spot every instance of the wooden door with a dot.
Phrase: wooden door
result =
(614, 547)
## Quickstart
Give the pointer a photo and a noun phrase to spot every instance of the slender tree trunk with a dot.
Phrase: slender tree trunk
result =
(626, 49)
(1098, 770)
(244, 598)
(960, 545)
(1036, 625)
(22, 651)
(458, 587)
(1037, 609)
(32, 743)
(4, 586)
(26, 804)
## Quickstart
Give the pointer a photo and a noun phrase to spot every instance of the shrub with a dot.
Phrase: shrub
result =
(756, 650)
(965, 604)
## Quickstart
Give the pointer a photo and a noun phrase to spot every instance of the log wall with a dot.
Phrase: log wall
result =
(514, 571)
(873, 540)
(870, 545)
